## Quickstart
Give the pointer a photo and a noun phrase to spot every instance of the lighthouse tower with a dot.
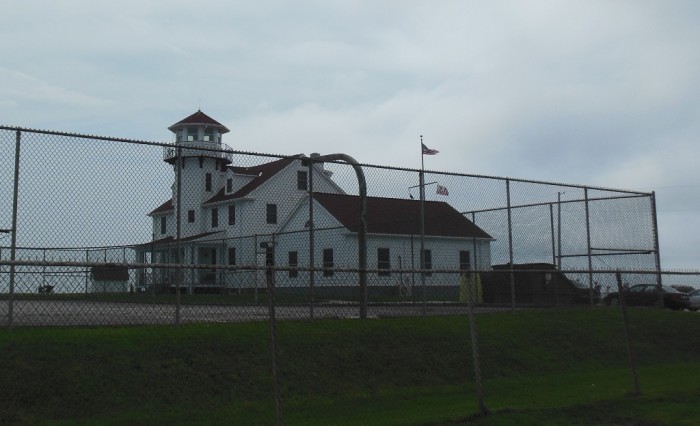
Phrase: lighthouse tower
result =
(203, 162)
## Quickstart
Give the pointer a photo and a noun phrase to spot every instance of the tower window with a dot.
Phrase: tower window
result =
(191, 134)
(428, 259)
(232, 214)
(232, 255)
(209, 135)
(293, 263)
(207, 182)
(383, 261)
(464, 263)
(214, 217)
(271, 214)
(328, 262)
(302, 180)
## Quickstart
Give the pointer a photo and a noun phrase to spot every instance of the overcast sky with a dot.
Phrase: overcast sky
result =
(603, 93)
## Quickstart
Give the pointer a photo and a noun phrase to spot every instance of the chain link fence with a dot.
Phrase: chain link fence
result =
(105, 231)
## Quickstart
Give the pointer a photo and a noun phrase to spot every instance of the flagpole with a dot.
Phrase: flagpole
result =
(422, 223)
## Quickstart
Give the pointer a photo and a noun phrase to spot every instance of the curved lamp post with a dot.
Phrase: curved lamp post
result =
(362, 234)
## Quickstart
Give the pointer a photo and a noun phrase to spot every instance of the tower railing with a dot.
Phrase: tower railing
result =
(196, 149)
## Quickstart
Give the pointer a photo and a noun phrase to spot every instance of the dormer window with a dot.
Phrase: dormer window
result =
(192, 134)
(271, 214)
(302, 180)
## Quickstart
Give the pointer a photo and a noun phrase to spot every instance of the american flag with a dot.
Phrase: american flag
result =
(442, 190)
(428, 151)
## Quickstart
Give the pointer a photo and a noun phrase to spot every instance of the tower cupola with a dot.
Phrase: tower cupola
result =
(197, 135)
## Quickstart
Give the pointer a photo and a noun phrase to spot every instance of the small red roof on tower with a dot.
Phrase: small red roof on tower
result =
(199, 118)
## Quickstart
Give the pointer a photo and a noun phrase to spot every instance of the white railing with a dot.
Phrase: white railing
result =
(196, 149)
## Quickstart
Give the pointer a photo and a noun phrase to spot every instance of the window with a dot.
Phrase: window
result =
(271, 213)
(229, 185)
(302, 180)
(232, 255)
(269, 255)
(464, 263)
(232, 214)
(328, 262)
(428, 257)
(190, 216)
(209, 135)
(383, 261)
(214, 217)
(207, 182)
(163, 225)
(191, 134)
(293, 263)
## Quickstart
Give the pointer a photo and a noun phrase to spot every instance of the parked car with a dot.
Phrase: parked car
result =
(646, 295)
(683, 288)
(694, 299)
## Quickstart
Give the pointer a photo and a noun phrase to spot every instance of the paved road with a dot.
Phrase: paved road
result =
(91, 313)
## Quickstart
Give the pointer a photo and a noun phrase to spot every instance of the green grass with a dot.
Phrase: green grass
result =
(538, 367)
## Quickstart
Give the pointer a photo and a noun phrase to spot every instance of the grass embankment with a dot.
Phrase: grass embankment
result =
(541, 367)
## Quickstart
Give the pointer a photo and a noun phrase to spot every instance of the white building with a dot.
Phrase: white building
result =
(227, 211)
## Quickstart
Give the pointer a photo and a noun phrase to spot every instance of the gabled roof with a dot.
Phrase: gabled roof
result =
(163, 208)
(263, 173)
(199, 118)
(400, 216)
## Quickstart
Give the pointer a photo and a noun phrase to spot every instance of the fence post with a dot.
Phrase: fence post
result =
(87, 272)
(657, 256)
(475, 344)
(270, 278)
(476, 262)
(588, 247)
(551, 227)
(510, 246)
(559, 229)
(421, 183)
(630, 353)
(13, 240)
(312, 275)
(178, 211)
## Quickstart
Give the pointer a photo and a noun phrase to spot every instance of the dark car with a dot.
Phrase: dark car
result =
(647, 295)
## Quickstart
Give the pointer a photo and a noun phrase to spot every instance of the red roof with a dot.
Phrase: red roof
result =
(199, 118)
(163, 208)
(263, 172)
(400, 216)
